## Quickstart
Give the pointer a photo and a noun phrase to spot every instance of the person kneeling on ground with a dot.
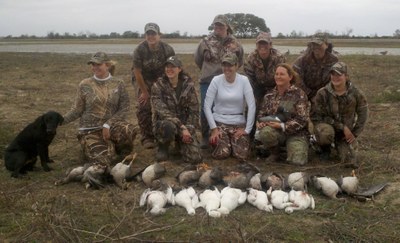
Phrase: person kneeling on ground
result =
(229, 127)
(102, 103)
(292, 132)
(340, 117)
(175, 111)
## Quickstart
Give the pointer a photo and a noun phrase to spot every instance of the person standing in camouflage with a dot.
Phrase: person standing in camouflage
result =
(340, 115)
(102, 104)
(148, 64)
(208, 58)
(292, 131)
(261, 64)
(175, 113)
(230, 128)
(314, 65)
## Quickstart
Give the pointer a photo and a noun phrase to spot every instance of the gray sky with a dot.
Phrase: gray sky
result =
(38, 17)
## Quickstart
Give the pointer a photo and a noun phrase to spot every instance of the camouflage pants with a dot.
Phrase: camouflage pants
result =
(95, 149)
(144, 116)
(228, 145)
(326, 136)
(296, 146)
(166, 132)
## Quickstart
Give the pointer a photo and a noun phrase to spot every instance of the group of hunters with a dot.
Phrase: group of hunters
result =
(273, 106)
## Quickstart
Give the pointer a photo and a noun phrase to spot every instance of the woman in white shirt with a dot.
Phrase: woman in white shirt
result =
(224, 108)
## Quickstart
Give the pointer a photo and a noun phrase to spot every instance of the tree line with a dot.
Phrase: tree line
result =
(244, 26)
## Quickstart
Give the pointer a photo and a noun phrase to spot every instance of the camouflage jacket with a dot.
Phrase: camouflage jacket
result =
(262, 77)
(313, 74)
(99, 102)
(180, 110)
(349, 109)
(151, 62)
(295, 101)
(209, 54)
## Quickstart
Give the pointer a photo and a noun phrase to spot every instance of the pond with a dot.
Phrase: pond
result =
(180, 48)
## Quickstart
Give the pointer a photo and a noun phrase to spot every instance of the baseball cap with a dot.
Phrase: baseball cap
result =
(339, 67)
(264, 36)
(153, 27)
(174, 61)
(222, 19)
(319, 38)
(99, 58)
(230, 58)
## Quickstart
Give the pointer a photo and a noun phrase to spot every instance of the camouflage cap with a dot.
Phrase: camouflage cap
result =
(264, 36)
(319, 38)
(222, 19)
(230, 58)
(174, 61)
(339, 67)
(99, 58)
(152, 27)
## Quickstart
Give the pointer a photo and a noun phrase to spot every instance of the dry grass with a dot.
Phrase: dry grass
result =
(33, 209)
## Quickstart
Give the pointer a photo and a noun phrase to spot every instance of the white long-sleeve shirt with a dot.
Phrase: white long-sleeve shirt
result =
(229, 102)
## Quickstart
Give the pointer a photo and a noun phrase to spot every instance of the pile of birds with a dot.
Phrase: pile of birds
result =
(217, 191)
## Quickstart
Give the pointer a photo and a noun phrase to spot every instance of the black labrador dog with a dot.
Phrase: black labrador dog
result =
(21, 155)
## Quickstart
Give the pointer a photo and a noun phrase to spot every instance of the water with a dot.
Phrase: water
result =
(180, 48)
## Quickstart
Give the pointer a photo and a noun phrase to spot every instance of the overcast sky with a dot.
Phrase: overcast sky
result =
(39, 17)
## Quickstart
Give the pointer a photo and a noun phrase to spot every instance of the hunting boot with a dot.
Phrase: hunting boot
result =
(325, 153)
(162, 152)
(274, 155)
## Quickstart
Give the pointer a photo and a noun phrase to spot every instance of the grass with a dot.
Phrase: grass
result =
(32, 209)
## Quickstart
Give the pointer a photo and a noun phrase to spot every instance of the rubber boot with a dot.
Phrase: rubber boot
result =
(325, 154)
(162, 152)
(274, 155)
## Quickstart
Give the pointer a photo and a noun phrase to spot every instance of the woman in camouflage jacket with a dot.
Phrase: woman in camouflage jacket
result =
(102, 104)
(340, 116)
(175, 111)
(290, 104)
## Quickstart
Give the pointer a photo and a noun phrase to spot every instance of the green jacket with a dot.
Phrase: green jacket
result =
(166, 105)
(349, 109)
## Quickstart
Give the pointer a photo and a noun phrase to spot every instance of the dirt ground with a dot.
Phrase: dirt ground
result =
(32, 208)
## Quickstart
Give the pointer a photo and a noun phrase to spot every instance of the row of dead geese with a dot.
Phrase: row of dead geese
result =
(246, 182)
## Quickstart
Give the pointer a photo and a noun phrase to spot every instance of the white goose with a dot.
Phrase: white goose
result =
(259, 199)
(301, 200)
(231, 198)
(297, 181)
(279, 199)
(156, 200)
(210, 200)
(188, 199)
(328, 186)
(349, 184)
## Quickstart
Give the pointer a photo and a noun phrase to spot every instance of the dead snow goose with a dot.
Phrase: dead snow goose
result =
(301, 200)
(259, 199)
(188, 199)
(231, 198)
(279, 199)
(349, 184)
(156, 200)
(210, 200)
(297, 181)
